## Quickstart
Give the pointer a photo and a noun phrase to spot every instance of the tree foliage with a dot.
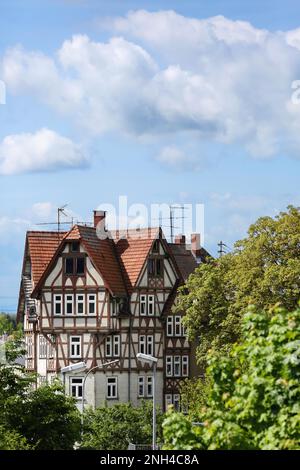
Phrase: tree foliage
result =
(114, 427)
(254, 399)
(263, 269)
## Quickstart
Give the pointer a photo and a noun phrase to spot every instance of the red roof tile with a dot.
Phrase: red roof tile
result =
(42, 246)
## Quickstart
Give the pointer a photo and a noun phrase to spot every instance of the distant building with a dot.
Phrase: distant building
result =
(95, 300)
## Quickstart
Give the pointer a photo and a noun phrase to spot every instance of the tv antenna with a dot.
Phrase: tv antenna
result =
(222, 249)
(61, 211)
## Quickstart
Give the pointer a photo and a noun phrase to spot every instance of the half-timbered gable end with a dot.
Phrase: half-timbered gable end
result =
(85, 297)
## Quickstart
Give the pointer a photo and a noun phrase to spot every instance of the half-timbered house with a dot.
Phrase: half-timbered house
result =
(101, 299)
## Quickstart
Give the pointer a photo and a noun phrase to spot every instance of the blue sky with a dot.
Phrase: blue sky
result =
(164, 102)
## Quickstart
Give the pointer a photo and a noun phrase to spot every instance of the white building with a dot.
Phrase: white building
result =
(84, 298)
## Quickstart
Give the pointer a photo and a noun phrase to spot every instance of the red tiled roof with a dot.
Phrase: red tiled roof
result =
(184, 259)
(103, 254)
(42, 246)
(133, 247)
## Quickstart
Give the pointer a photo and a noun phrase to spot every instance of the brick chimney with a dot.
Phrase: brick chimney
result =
(195, 244)
(99, 216)
(180, 239)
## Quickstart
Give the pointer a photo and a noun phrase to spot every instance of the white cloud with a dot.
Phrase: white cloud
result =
(175, 158)
(42, 210)
(43, 151)
(213, 79)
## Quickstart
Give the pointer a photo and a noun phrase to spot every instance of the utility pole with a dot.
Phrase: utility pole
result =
(221, 251)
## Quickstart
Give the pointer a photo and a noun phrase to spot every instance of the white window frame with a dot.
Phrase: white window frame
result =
(116, 345)
(29, 347)
(149, 386)
(169, 366)
(69, 301)
(151, 305)
(150, 345)
(185, 365)
(111, 384)
(51, 348)
(170, 329)
(142, 344)
(141, 386)
(77, 383)
(168, 400)
(177, 326)
(77, 346)
(58, 301)
(177, 366)
(78, 302)
(108, 346)
(176, 401)
(42, 347)
(143, 305)
(91, 301)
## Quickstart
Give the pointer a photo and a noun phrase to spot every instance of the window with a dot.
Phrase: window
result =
(156, 246)
(51, 347)
(177, 362)
(42, 347)
(57, 304)
(112, 387)
(155, 267)
(169, 326)
(185, 366)
(169, 366)
(176, 401)
(74, 265)
(75, 346)
(75, 246)
(92, 304)
(69, 265)
(150, 345)
(141, 386)
(143, 305)
(76, 385)
(112, 345)
(116, 342)
(69, 304)
(150, 304)
(172, 399)
(108, 346)
(149, 386)
(142, 344)
(80, 304)
(177, 325)
(114, 306)
(80, 266)
(168, 400)
(29, 346)
(42, 380)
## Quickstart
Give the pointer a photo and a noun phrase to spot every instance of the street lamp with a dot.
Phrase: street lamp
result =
(152, 361)
(83, 385)
(78, 367)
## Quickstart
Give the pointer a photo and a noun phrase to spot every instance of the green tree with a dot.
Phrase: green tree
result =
(11, 440)
(262, 270)
(7, 323)
(47, 418)
(254, 399)
(114, 427)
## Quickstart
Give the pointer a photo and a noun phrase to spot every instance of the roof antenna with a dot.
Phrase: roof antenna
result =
(60, 211)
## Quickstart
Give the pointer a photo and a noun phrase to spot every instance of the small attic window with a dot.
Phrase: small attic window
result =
(75, 246)
(156, 246)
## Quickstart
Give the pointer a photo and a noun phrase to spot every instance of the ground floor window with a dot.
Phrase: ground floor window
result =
(172, 399)
(76, 386)
(112, 387)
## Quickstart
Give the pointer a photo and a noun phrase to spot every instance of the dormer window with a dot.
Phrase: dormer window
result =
(75, 247)
(155, 267)
(69, 265)
(75, 266)
(155, 248)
